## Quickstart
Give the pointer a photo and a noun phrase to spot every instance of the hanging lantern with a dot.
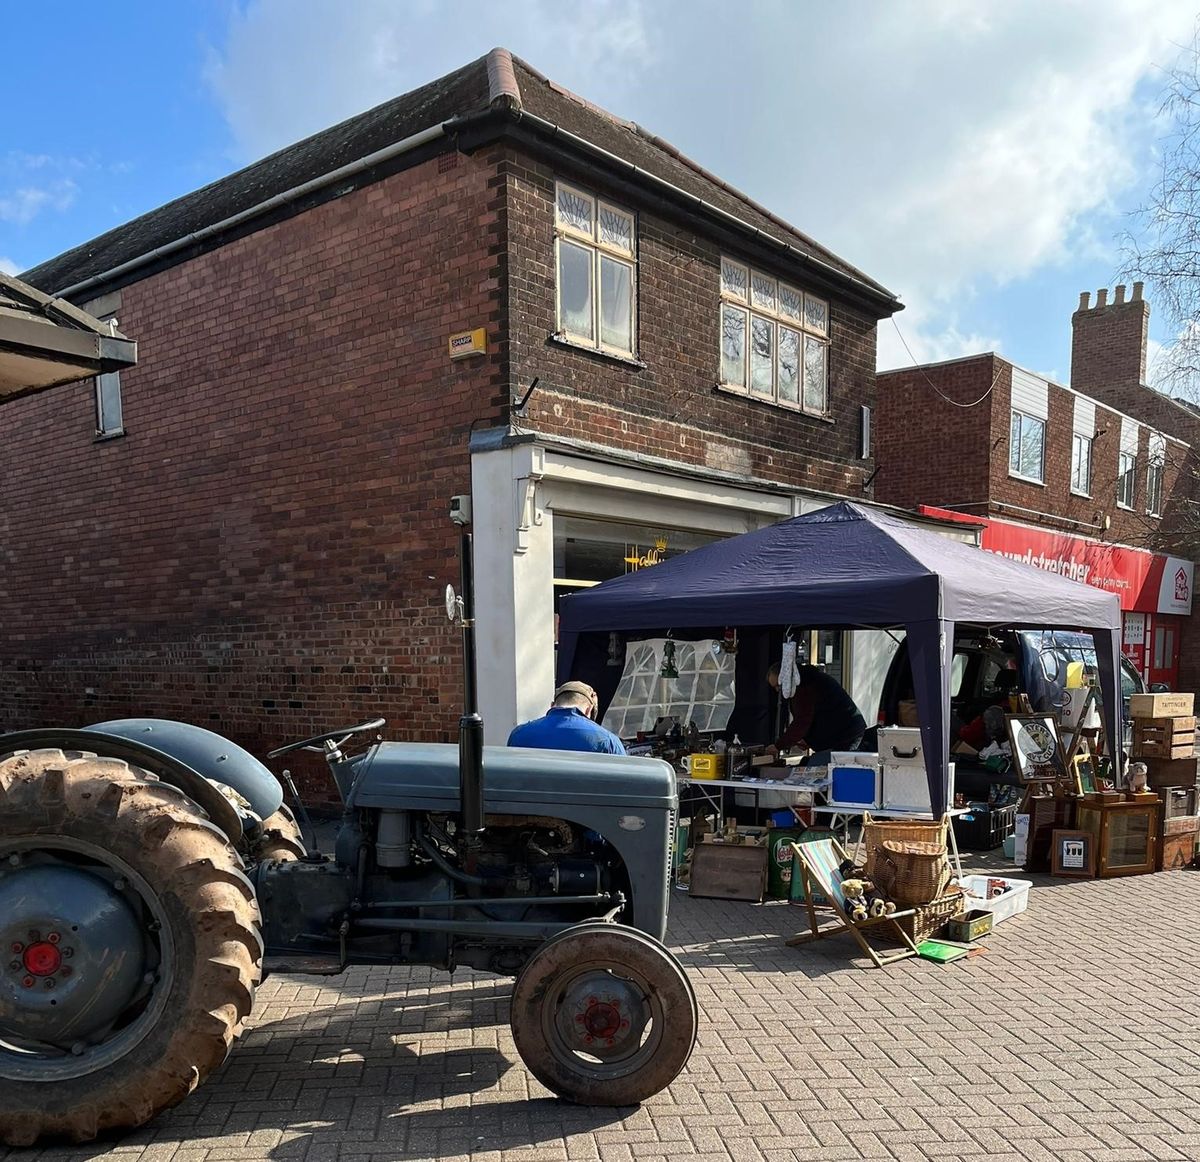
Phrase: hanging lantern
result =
(669, 669)
(729, 644)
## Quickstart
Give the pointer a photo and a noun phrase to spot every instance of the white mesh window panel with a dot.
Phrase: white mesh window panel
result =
(703, 692)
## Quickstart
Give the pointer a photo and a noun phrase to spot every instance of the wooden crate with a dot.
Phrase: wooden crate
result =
(1163, 738)
(1180, 772)
(1177, 850)
(1177, 802)
(728, 871)
(1160, 705)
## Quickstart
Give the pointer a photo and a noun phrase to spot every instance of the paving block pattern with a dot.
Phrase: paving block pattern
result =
(1074, 1038)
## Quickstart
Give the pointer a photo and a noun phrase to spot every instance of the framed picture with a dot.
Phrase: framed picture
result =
(1073, 853)
(1086, 779)
(1037, 752)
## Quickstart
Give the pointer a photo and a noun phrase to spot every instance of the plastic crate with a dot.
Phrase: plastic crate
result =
(1013, 900)
(984, 828)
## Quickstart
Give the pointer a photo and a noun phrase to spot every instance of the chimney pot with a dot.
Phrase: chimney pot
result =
(1120, 293)
(1085, 300)
(1137, 292)
(1102, 297)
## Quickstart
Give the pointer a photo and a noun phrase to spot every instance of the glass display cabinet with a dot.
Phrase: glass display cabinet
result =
(1125, 831)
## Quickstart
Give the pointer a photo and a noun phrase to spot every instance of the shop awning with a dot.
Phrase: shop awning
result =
(45, 342)
(850, 567)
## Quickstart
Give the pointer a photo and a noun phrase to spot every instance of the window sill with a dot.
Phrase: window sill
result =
(1081, 495)
(561, 340)
(740, 393)
(104, 437)
(1025, 479)
(1125, 507)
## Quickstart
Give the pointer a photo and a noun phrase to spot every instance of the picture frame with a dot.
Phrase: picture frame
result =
(1073, 854)
(1037, 751)
(1087, 780)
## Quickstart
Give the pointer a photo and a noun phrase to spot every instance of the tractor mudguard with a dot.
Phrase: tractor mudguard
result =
(213, 756)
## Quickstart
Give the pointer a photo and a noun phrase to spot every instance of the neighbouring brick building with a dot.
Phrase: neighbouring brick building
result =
(250, 530)
(1083, 480)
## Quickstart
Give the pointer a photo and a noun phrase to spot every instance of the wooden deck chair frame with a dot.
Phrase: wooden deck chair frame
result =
(829, 883)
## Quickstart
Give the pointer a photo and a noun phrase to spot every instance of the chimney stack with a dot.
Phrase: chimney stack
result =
(1108, 345)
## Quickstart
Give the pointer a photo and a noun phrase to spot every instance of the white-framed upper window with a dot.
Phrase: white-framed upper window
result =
(595, 257)
(109, 418)
(774, 340)
(1126, 478)
(1154, 474)
(1081, 465)
(1027, 447)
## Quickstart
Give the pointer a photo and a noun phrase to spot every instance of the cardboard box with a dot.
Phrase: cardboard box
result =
(1160, 705)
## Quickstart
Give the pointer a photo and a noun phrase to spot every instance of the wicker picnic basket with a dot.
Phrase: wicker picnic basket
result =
(928, 919)
(908, 859)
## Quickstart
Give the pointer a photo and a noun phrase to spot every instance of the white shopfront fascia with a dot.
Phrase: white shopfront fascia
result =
(517, 490)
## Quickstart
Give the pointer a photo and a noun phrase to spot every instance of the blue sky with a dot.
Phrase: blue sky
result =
(979, 159)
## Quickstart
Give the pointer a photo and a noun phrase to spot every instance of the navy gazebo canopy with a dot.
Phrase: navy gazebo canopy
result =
(851, 567)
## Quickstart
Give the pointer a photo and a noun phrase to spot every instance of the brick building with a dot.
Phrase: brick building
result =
(251, 528)
(1085, 480)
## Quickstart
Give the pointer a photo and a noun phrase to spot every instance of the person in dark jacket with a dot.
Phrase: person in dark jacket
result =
(824, 716)
(568, 724)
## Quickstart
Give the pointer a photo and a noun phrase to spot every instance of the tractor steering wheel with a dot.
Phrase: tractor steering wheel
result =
(342, 735)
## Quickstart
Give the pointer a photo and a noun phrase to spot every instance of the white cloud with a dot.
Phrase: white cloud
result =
(7, 266)
(22, 205)
(946, 147)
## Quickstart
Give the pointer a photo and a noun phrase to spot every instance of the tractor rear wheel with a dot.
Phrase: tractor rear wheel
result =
(604, 1015)
(129, 946)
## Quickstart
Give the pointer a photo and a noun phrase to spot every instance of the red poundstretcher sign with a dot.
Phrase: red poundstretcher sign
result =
(1145, 582)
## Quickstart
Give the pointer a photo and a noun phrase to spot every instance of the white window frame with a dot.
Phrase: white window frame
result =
(1014, 446)
(1126, 473)
(1079, 440)
(597, 249)
(775, 317)
(1155, 463)
(110, 380)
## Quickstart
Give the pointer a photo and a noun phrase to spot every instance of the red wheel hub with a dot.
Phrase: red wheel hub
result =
(42, 959)
(602, 1019)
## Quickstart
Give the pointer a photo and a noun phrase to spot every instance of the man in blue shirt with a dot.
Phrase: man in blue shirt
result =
(568, 725)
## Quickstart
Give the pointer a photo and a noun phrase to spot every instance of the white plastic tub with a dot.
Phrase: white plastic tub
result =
(1010, 903)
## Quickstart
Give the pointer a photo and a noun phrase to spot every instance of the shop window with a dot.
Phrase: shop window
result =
(1027, 447)
(596, 263)
(1081, 465)
(774, 340)
(702, 692)
(1126, 479)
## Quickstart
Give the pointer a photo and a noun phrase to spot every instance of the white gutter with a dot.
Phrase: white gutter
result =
(345, 171)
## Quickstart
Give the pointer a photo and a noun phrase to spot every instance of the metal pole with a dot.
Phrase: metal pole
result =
(470, 725)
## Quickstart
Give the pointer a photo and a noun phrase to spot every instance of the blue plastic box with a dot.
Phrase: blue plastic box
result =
(854, 781)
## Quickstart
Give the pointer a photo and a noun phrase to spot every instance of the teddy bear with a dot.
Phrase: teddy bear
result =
(854, 894)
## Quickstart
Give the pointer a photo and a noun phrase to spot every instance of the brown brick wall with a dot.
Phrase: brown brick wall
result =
(264, 551)
(1108, 347)
(671, 407)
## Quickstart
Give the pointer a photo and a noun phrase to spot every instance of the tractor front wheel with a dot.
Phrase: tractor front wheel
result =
(604, 1015)
(129, 946)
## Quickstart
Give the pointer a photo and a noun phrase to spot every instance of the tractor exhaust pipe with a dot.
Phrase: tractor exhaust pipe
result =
(470, 725)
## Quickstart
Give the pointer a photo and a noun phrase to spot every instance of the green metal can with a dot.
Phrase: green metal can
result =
(779, 861)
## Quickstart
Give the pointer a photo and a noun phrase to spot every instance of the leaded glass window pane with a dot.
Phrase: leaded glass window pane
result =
(762, 363)
(816, 396)
(616, 229)
(762, 291)
(616, 304)
(575, 210)
(789, 365)
(575, 298)
(733, 346)
(735, 280)
(790, 301)
(816, 314)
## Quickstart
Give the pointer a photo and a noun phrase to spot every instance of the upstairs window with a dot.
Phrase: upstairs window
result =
(1027, 447)
(774, 340)
(1081, 465)
(1154, 475)
(1126, 478)
(596, 263)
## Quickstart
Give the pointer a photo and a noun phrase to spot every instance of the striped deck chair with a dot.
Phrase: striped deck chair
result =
(819, 862)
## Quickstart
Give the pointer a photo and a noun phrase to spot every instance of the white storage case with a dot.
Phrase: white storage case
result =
(854, 780)
(904, 783)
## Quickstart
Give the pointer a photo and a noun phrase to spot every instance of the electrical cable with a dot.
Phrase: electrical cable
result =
(917, 367)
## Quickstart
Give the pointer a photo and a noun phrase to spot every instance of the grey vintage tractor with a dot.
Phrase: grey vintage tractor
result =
(150, 876)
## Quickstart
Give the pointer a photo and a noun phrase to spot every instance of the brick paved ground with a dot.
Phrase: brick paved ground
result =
(1075, 1037)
